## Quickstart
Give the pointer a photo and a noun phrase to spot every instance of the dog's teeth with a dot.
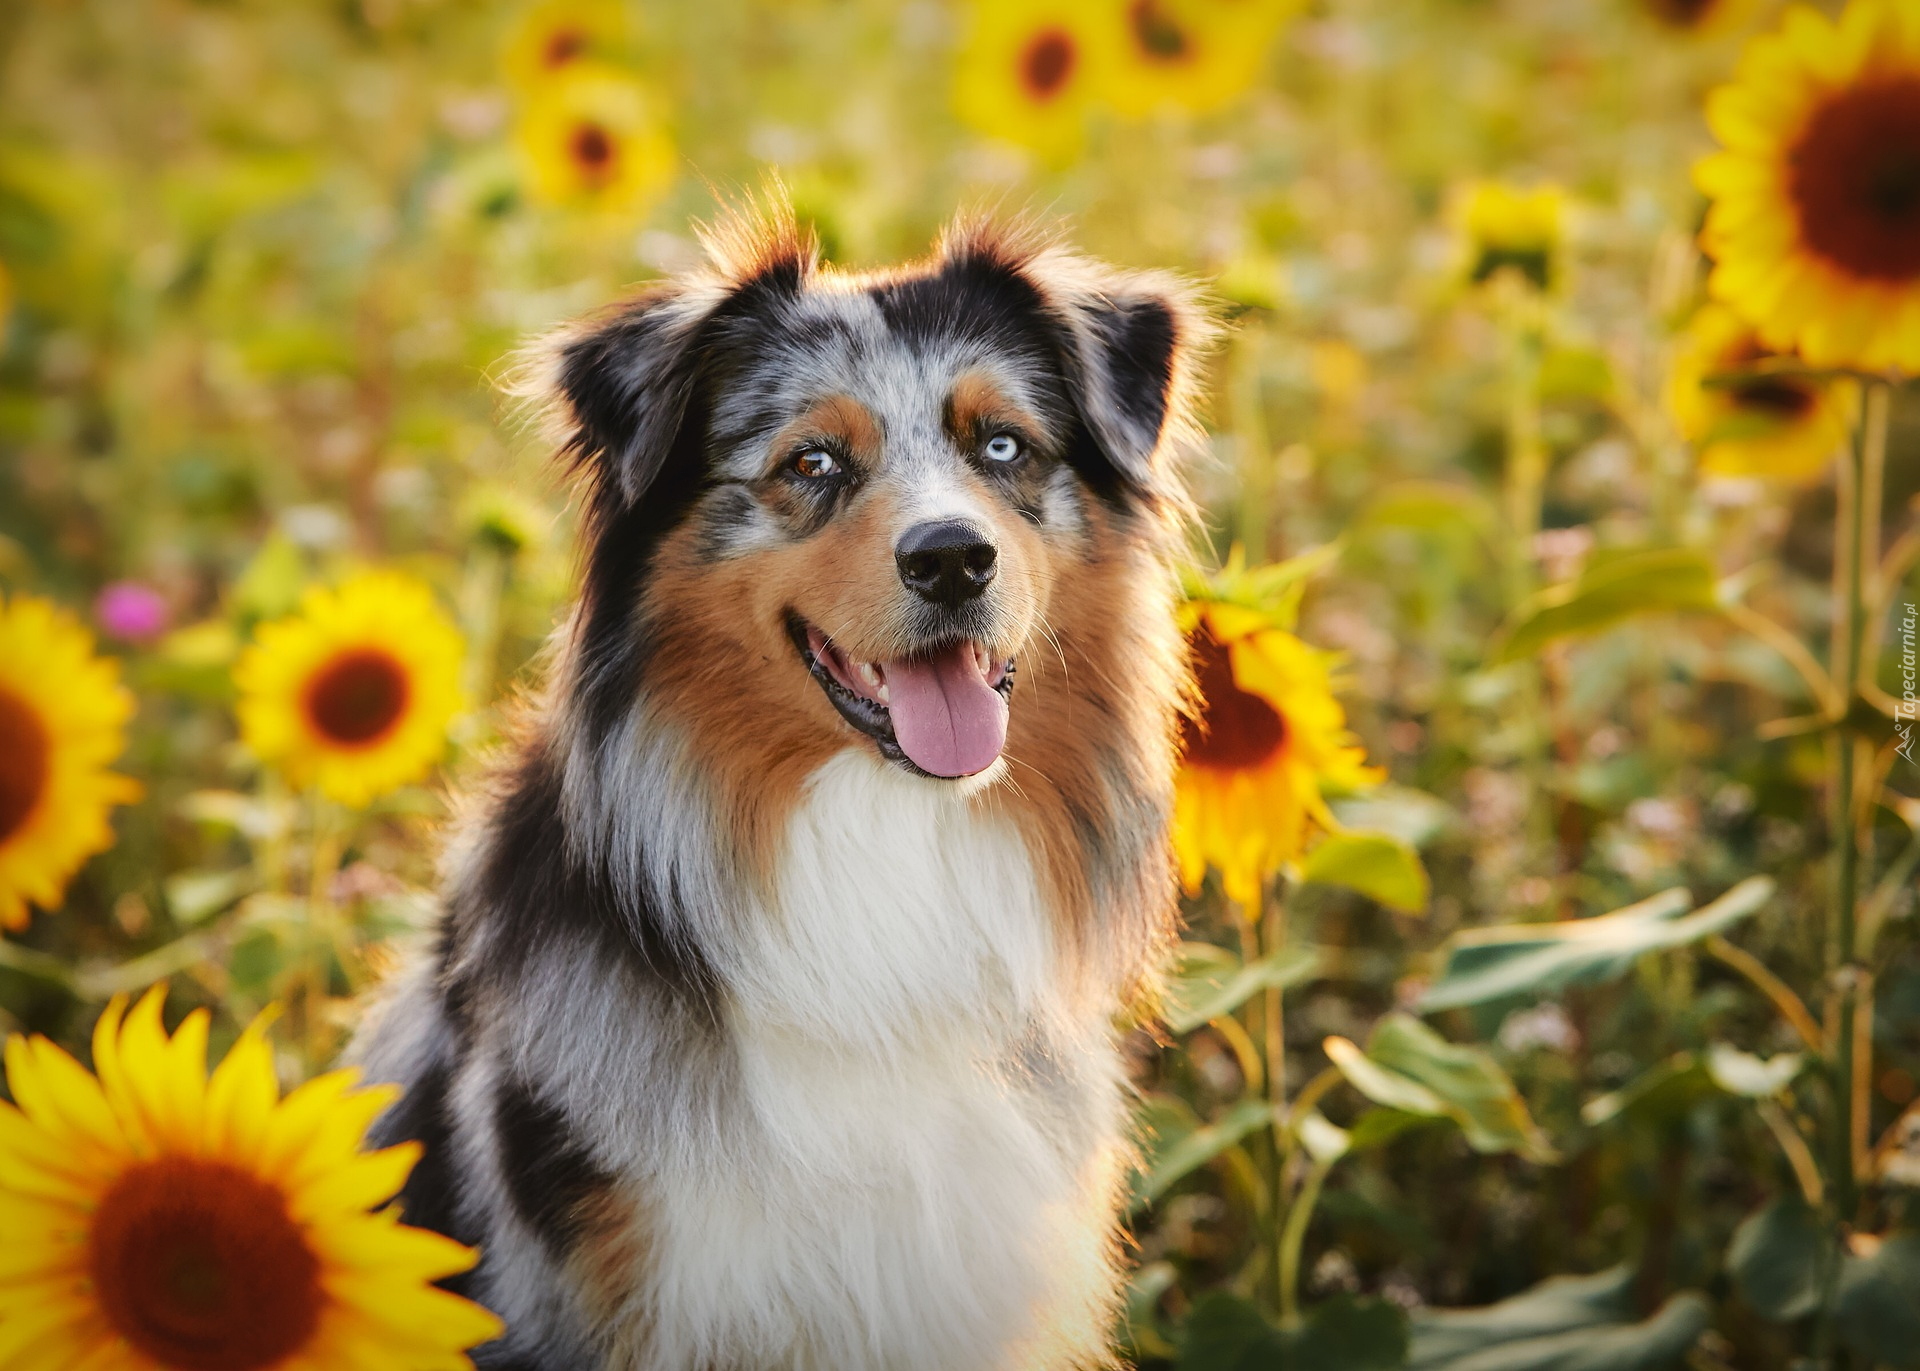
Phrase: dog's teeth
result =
(868, 674)
(880, 693)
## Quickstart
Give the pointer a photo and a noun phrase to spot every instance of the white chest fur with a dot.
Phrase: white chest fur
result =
(922, 1173)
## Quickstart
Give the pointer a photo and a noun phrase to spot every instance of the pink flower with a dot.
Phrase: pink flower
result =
(130, 611)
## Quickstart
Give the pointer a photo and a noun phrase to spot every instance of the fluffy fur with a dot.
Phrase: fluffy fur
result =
(746, 1044)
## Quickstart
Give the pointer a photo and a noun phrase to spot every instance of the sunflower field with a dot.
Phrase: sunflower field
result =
(1549, 997)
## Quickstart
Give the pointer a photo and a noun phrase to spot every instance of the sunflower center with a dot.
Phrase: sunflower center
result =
(1774, 397)
(1047, 64)
(563, 45)
(1682, 13)
(592, 149)
(1855, 180)
(1236, 730)
(199, 1266)
(25, 754)
(357, 697)
(1159, 36)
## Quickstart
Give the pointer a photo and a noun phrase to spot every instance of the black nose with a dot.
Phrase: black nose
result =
(946, 561)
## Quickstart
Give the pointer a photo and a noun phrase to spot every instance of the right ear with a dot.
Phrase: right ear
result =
(622, 384)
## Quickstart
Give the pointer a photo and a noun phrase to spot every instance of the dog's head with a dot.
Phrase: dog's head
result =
(828, 507)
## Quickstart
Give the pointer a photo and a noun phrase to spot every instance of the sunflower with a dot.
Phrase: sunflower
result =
(1698, 16)
(548, 38)
(1782, 427)
(592, 138)
(156, 1218)
(1505, 229)
(1195, 55)
(63, 713)
(354, 692)
(1267, 740)
(1031, 69)
(1815, 223)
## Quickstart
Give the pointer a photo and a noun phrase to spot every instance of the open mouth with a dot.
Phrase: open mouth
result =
(941, 712)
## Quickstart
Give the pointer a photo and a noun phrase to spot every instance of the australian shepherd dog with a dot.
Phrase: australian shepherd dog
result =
(772, 1018)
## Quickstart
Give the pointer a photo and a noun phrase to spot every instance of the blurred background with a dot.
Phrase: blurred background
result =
(262, 265)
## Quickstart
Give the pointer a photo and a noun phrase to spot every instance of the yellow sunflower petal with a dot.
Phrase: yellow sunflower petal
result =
(62, 722)
(291, 1181)
(1805, 248)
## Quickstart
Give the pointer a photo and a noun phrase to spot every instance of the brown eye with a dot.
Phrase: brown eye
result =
(815, 463)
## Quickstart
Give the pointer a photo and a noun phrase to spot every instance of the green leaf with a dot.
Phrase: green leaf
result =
(1609, 592)
(1144, 1290)
(1664, 1092)
(1473, 1088)
(1575, 374)
(1779, 1259)
(1485, 964)
(1177, 1143)
(1225, 1333)
(1377, 865)
(1273, 589)
(1568, 1323)
(1757, 1078)
(1380, 1126)
(1326, 1142)
(194, 896)
(1211, 982)
(271, 584)
(1400, 811)
(1430, 506)
(1877, 1306)
(1383, 1087)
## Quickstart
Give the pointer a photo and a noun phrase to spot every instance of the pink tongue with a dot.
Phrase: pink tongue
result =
(945, 717)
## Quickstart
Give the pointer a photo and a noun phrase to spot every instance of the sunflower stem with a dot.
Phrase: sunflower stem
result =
(1856, 537)
(1273, 1023)
(326, 847)
(1526, 465)
(1293, 1237)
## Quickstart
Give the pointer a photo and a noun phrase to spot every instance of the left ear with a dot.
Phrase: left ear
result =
(1129, 350)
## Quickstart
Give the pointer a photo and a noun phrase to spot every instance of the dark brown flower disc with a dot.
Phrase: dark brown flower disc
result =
(1237, 730)
(25, 758)
(358, 697)
(199, 1265)
(1854, 179)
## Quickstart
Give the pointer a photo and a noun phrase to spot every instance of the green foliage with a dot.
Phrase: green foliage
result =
(1225, 1333)
(1608, 592)
(1780, 1259)
(1209, 981)
(1409, 1068)
(1569, 1323)
(1534, 959)
(1877, 1306)
(1377, 865)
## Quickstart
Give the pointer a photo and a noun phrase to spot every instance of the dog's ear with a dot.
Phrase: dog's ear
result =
(622, 385)
(1130, 345)
(1121, 358)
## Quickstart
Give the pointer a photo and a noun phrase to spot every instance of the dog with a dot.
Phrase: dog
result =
(771, 1016)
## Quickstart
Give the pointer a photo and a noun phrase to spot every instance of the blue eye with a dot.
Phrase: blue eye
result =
(1002, 447)
(816, 463)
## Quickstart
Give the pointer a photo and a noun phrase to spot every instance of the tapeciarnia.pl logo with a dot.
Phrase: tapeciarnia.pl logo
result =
(1909, 703)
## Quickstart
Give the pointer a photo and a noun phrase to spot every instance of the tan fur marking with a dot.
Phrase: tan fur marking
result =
(612, 1253)
(839, 417)
(1102, 680)
(976, 402)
